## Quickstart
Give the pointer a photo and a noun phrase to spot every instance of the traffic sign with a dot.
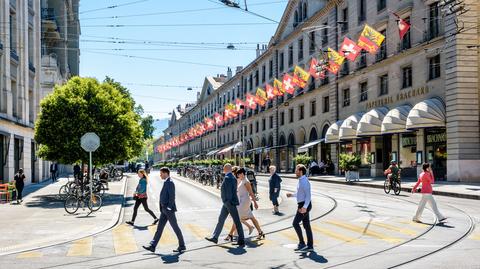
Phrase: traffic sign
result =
(90, 142)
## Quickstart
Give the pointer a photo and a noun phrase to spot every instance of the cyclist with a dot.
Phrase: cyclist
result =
(392, 172)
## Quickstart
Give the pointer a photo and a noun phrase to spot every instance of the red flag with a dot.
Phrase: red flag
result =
(288, 83)
(209, 124)
(270, 91)
(278, 87)
(239, 106)
(218, 119)
(403, 26)
(251, 101)
(350, 49)
(230, 111)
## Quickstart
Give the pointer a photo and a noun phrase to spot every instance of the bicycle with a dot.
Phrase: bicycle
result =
(91, 200)
(394, 184)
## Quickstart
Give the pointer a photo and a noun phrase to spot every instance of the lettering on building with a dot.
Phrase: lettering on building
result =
(401, 96)
(436, 138)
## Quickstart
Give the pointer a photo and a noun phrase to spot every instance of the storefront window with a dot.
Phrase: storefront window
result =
(363, 148)
(436, 151)
(408, 149)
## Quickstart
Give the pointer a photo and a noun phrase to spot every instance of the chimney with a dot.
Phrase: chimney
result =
(258, 50)
(229, 73)
(239, 68)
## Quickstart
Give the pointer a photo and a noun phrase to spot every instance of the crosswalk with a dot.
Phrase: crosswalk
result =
(127, 239)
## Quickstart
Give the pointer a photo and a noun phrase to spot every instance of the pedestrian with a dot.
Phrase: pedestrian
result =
(426, 178)
(140, 197)
(76, 172)
(274, 188)
(19, 184)
(245, 197)
(53, 171)
(268, 162)
(304, 202)
(147, 167)
(230, 202)
(167, 213)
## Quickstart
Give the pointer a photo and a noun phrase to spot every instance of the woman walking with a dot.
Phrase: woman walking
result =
(245, 196)
(426, 179)
(19, 184)
(140, 197)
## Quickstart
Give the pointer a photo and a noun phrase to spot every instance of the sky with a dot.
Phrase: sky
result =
(147, 32)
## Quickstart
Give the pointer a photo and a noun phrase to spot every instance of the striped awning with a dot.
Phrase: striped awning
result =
(371, 122)
(395, 120)
(332, 132)
(348, 129)
(428, 113)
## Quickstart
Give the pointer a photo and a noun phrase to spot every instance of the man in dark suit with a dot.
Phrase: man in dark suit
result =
(230, 202)
(53, 171)
(167, 209)
(274, 188)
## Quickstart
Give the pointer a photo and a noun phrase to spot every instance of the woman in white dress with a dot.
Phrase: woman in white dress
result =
(245, 196)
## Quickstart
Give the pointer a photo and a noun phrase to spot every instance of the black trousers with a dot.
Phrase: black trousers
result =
(19, 188)
(228, 209)
(167, 215)
(142, 201)
(305, 219)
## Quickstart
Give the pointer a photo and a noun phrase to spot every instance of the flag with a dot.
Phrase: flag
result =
(239, 106)
(370, 40)
(251, 101)
(209, 124)
(316, 70)
(278, 88)
(403, 26)
(288, 85)
(230, 111)
(350, 49)
(218, 119)
(261, 96)
(300, 77)
(334, 60)
(270, 91)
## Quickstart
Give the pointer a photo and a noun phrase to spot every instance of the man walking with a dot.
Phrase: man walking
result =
(274, 188)
(304, 197)
(167, 213)
(230, 202)
(53, 171)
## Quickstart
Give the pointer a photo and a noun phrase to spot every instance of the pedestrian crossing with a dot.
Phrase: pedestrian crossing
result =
(127, 239)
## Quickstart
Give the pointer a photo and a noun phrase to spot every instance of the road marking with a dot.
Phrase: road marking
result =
(30, 255)
(197, 231)
(416, 224)
(82, 247)
(362, 230)
(393, 228)
(337, 236)
(475, 236)
(123, 240)
(290, 234)
(167, 235)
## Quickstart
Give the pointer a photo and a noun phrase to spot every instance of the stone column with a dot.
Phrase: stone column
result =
(421, 147)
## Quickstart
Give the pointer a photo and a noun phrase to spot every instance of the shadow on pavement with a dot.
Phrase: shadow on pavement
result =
(52, 201)
(314, 257)
(171, 258)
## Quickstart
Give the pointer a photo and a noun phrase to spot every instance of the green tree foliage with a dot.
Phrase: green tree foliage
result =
(349, 162)
(302, 159)
(84, 105)
(147, 125)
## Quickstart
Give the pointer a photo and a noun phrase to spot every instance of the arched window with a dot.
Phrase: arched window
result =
(282, 141)
(270, 141)
(295, 19)
(305, 14)
(291, 139)
(300, 12)
(324, 130)
(313, 135)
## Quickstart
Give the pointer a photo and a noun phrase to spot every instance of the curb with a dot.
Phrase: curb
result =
(375, 186)
(117, 215)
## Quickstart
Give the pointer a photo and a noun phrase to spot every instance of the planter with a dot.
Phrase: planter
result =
(352, 176)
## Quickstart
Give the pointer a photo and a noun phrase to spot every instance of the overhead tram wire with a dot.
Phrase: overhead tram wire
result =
(160, 85)
(114, 6)
(246, 11)
(178, 25)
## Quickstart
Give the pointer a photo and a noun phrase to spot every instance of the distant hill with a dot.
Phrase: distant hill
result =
(159, 125)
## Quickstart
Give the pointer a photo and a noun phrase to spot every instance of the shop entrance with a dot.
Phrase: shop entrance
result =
(387, 150)
(436, 151)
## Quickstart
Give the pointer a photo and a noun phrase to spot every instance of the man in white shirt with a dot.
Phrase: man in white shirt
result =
(304, 200)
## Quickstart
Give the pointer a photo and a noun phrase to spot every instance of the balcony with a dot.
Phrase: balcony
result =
(50, 27)
(1, 47)
(14, 55)
(345, 71)
(381, 55)
(31, 67)
(362, 63)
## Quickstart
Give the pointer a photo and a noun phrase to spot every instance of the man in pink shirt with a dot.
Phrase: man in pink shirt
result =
(426, 179)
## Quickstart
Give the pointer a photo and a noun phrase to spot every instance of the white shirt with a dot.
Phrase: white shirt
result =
(303, 193)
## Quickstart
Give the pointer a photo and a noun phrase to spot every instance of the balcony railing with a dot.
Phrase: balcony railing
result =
(31, 67)
(381, 55)
(362, 63)
(14, 55)
(1, 46)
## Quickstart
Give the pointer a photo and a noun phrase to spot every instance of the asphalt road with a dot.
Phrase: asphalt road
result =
(354, 227)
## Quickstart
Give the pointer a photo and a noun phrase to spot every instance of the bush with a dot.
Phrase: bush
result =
(349, 162)
(302, 159)
(247, 161)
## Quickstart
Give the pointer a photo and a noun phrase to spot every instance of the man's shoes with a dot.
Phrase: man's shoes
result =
(443, 219)
(149, 248)
(180, 249)
(212, 239)
(300, 246)
(129, 223)
(306, 249)
(239, 243)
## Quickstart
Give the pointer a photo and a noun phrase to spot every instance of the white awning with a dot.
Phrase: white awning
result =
(348, 129)
(227, 149)
(238, 147)
(371, 122)
(210, 153)
(185, 158)
(332, 132)
(395, 120)
(305, 147)
(428, 113)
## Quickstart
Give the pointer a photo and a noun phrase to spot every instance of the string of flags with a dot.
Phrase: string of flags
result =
(369, 40)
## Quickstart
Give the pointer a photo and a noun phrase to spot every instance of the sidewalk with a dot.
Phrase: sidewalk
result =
(444, 188)
(41, 219)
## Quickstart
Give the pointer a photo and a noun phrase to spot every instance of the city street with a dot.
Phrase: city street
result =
(354, 227)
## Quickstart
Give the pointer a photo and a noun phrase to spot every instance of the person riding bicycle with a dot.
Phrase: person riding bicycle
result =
(392, 172)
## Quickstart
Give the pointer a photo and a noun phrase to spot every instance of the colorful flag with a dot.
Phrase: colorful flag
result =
(218, 119)
(316, 70)
(370, 40)
(350, 49)
(288, 85)
(239, 106)
(278, 88)
(209, 124)
(251, 101)
(335, 60)
(261, 96)
(230, 111)
(300, 77)
(270, 91)
(403, 26)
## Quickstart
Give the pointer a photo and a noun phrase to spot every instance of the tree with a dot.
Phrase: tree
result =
(147, 125)
(84, 105)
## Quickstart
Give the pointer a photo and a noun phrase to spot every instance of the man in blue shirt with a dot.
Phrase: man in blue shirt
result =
(304, 201)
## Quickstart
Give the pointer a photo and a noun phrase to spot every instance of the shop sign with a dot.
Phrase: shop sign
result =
(409, 141)
(401, 96)
(436, 138)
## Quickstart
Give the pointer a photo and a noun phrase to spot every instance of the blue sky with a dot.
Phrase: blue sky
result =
(97, 46)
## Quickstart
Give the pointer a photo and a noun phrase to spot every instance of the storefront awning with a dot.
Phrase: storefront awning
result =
(305, 147)
(348, 129)
(212, 152)
(395, 120)
(226, 149)
(238, 147)
(428, 113)
(185, 158)
(332, 132)
(256, 150)
(371, 122)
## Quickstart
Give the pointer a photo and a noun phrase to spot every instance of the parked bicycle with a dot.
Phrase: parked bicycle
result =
(81, 199)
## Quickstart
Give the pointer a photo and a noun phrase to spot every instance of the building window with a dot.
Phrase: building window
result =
(433, 21)
(300, 49)
(301, 111)
(325, 35)
(270, 120)
(264, 73)
(324, 81)
(313, 108)
(362, 62)
(362, 11)
(363, 91)
(282, 118)
(282, 61)
(251, 128)
(406, 43)
(311, 48)
(295, 19)
(345, 69)
(290, 112)
(257, 128)
(305, 11)
(326, 104)
(270, 69)
(382, 53)
(264, 124)
(346, 97)
(406, 77)
(434, 67)
(383, 85)
(345, 20)
(257, 78)
(381, 5)
(250, 83)
(290, 55)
